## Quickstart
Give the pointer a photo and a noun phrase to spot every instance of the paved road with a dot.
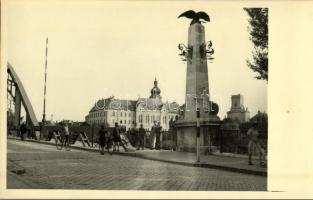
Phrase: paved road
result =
(48, 168)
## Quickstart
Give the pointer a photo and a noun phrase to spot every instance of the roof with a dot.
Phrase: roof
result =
(150, 103)
(115, 104)
(260, 116)
(132, 105)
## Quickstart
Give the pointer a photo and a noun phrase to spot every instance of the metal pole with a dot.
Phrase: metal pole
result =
(44, 98)
(198, 134)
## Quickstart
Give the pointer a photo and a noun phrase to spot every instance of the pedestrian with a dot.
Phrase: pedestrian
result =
(23, 130)
(50, 135)
(66, 136)
(134, 135)
(153, 134)
(141, 137)
(158, 130)
(254, 143)
(117, 141)
(171, 131)
(103, 135)
(174, 133)
(129, 135)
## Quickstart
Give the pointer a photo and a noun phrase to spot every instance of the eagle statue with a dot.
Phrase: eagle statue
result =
(195, 16)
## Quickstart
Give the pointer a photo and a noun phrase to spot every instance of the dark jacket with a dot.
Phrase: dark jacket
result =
(116, 134)
(23, 128)
(141, 133)
(103, 134)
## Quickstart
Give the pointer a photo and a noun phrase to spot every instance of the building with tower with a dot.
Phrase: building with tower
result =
(237, 111)
(134, 112)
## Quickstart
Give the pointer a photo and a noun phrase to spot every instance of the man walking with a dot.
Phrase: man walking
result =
(134, 135)
(66, 136)
(117, 138)
(153, 134)
(23, 130)
(254, 143)
(141, 137)
(158, 129)
(103, 134)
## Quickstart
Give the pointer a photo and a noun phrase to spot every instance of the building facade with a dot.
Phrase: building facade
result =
(131, 113)
(237, 111)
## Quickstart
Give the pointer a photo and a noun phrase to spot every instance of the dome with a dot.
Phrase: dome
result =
(155, 91)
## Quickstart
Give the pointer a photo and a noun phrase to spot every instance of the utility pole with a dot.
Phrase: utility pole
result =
(198, 135)
(45, 90)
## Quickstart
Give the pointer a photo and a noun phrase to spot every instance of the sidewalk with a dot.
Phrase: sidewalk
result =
(229, 162)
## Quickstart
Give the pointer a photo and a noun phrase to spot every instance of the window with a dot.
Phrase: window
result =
(113, 114)
(124, 121)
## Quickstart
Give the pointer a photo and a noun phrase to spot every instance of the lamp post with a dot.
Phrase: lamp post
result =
(44, 95)
(198, 135)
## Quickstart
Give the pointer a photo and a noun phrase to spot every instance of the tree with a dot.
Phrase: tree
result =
(258, 30)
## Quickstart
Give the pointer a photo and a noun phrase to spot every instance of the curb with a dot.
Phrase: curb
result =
(202, 165)
(134, 154)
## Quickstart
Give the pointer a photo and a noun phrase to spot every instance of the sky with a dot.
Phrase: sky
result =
(103, 48)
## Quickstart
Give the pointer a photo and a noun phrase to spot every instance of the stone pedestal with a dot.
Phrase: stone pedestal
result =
(197, 97)
(209, 135)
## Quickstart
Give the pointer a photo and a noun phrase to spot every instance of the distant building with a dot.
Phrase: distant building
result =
(134, 112)
(237, 111)
(261, 119)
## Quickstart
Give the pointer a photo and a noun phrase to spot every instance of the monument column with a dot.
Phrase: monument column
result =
(196, 54)
(197, 83)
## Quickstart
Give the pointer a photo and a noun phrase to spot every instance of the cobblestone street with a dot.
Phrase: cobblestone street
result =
(46, 167)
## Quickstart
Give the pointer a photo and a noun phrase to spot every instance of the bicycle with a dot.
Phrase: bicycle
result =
(122, 142)
(67, 143)
(58, 140)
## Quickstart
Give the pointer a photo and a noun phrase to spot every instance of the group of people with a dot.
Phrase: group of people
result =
(137, 136)
(156, 132)
(106, 138)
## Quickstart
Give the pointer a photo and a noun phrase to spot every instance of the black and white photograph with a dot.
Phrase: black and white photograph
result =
(136, 96)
